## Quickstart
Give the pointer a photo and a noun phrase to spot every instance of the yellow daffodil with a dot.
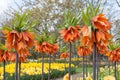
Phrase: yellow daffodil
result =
(66, 77)
(89, 77)
(109, 78)
(33, 68)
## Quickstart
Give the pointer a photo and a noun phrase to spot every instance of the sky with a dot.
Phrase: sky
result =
(4, 4)
(111, 4)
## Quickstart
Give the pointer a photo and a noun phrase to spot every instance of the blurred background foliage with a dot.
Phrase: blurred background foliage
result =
(49, 15)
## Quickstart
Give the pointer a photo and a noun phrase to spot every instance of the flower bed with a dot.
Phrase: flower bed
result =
(33, 70)
(109, 71)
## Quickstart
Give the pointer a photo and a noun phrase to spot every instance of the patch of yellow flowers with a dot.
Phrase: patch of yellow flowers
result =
(33, 68)
(73, 59)
(103, 69)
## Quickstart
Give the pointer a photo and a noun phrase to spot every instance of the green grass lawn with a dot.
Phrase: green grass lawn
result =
(80, 69)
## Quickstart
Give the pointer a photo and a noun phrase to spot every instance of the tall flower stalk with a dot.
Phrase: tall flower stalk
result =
(46, 45)
(19, 38)
(95, 36)
(65, 55)
(114, 56)
(70, 33)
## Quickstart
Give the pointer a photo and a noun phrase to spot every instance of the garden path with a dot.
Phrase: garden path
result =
(74, 77)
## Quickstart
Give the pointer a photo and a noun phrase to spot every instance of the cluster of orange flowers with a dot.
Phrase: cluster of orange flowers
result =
(46, 47)
(102, 26)
(114, 55)
(65, 55)
(86, 42)
(6, 56)
(20, 42)
(98, 35)
(83, 51)
(70, 34)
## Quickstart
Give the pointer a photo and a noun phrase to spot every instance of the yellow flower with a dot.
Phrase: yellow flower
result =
(11, 74)
(89, 77)
(102, 69)
(81, 78)
(109, 78)
(66, 77)
(34, 68)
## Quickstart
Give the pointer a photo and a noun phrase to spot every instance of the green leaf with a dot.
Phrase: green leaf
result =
(113, 46)
(97, 9)
(6, 28)
(2, 47)
(63, 49)
(84, 17)
(22, 22)
(92, 10)
(32, 24)
(70, 19)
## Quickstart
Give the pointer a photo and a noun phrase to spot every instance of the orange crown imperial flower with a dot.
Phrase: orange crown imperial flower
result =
(100, 22)
(65, 55)
(114, 55)
(37, 46)
(46, 47)
(27, 38)
(20, 41)
(83, 51)
(1, 56)
(54, 48)
(12, 39)
(70, 34)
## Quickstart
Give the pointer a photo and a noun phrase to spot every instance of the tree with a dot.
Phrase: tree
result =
(116, 30)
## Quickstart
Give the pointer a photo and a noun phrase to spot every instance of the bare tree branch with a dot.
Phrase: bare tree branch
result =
(118, 3)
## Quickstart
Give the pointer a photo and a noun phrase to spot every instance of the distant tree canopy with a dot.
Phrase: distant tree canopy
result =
(116, 30)
(49, 13)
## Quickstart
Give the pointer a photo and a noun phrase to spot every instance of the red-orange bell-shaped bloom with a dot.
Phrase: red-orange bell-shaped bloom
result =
(101, 23)
(85, 31)
(83, 51)
(12, 39)
(102, 36)
(1, 55)
(27, 38)
(54, 48)
(12, 57)
(65, 55)
(86, 41)
(6, 56)
(46, 47)
(114, 55)
(70, 34)
(22, 48)
(37, 46)
(102, 49)
(21, 58)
